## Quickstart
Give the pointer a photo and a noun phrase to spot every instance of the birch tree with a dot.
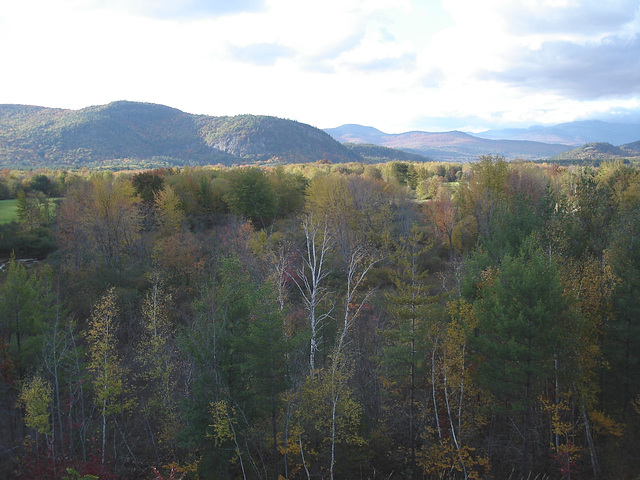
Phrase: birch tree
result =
(310, 279)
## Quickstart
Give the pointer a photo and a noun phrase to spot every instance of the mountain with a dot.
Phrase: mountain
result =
(353, 133)
(376, 154)
(596, 152)
(446, 146)
(572, 133)
(633, 148)
(143, 135)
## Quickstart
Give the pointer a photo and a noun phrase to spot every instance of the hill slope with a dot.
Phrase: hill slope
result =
(123, 134)
(376, 154)
(596, 152)
(446, 146)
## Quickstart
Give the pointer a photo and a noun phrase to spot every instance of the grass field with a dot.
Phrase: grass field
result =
(8, 210)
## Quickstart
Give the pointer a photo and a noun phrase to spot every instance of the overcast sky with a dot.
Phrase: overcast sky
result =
(397, 65)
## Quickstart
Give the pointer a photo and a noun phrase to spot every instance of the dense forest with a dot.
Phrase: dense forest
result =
(396, 320)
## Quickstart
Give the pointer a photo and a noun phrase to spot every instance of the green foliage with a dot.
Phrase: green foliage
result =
(147, 185)
(237, 346)
(251, 196)
(622, 345)
(41, 183)
(522, 327)
(21, 321)
(376, 154)
(34, 210)
(75, 475)
(595, 153)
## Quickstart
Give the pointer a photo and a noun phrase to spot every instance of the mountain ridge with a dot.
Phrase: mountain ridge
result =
(146, 135)
(596, 152)
(446, 146)
(126, 134)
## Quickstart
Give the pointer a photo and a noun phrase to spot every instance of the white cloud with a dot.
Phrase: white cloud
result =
(392, 64)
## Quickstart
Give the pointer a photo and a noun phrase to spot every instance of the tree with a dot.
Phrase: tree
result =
(36, 396)
(41, 183)
(310, 278)
(326, 416)
(34, 210)
(482, 195)
(521, 313)
(403, 356)
(622, 343)
(251, 196)
(357, 210)
(458, 411)
(360, 263)
(100, 224)
(443, 214)
(113, 221)
(237, 347)
(104, 363)
(147, 185)
(169, 214)
(157, 356)
(21, 324)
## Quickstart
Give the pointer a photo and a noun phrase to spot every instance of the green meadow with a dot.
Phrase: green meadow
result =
(8, 210)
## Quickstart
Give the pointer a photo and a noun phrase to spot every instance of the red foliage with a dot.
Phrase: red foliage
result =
(6, 364)
(566, 464)
(39, 462)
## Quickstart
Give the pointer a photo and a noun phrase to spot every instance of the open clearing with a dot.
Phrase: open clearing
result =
(8, 210)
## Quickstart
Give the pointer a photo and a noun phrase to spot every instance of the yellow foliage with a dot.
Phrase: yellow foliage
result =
(222, 423)
(558, 411)
(104, 364)
(36, 397)
(604, 425)
(443, 460)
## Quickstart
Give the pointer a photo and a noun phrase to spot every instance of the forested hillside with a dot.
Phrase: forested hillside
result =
(398, 320)
(142, 135)
(598, 152)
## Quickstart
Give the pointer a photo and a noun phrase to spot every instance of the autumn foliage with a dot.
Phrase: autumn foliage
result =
(401, 320)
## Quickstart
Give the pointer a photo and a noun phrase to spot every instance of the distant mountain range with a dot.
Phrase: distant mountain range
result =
(446, 146)
(527, 144)
(573, 133)
(143, 135)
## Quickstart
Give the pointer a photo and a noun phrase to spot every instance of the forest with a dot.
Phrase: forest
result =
(322, 321)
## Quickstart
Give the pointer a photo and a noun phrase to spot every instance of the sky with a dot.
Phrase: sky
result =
(397, 65)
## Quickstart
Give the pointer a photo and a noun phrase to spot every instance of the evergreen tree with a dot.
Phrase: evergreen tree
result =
(520, 312)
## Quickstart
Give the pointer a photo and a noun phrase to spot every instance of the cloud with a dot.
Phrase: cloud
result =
(607, 68)
(261, 54)
(585, 17)
(184, 9)
(335, 49)
(432, 78)
(404, 62)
